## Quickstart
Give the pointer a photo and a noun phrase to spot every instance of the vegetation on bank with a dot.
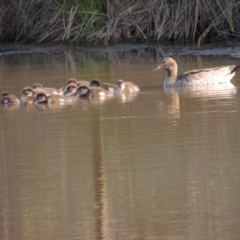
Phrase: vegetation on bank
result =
(108, 21)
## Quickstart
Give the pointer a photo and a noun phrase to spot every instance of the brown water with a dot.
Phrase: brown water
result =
(162, 165)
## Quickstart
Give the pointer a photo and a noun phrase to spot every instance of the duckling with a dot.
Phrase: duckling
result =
(28, 94)
(107, 86)
(75, 81)
(70, 90)
(51, 91)
(84, 91)
(9, 99)
(208, 76)
(126, 87)
(41, 98)
(44, 98)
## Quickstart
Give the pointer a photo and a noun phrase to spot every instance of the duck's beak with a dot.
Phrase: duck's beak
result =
(158, 67)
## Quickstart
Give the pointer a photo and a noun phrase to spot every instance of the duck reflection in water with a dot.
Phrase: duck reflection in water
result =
(172, 106)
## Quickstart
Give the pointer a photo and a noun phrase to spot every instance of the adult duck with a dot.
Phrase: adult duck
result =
(207, 76)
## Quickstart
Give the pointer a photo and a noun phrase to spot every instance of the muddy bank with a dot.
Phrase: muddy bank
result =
(207, 50)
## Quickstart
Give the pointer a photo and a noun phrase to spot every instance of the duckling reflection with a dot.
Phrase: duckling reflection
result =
(126, 97)
(84, 103)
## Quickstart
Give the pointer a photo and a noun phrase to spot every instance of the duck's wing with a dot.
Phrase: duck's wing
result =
(109, 86)
(218, 74)
(133, 86)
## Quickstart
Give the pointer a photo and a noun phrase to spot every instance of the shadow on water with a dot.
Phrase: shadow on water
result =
(161, 164)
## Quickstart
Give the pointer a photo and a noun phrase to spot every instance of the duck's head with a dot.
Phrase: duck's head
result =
(9, 99)
(5, 98)
(4, 94)
(71, 80)
(28, 92)
(41, 98)
(37, 86)
(83, 89)
(120, 84)
(167, 63)
(94, 83)
(70, 90)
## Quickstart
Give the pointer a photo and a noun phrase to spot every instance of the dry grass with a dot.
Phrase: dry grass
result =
(101, 21)
(173, 20)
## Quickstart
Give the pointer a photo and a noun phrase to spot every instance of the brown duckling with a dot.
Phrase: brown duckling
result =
(126, 87)
(44, 98)
(9, 99)
(28, 94)
(51, 91)
(107, 86)
(70, 90)
(84, 91)
(77, 82)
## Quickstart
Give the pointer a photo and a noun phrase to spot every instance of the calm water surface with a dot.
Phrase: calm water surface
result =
(160, 165)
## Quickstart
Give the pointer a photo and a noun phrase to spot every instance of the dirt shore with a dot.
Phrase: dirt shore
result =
(207, 50)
